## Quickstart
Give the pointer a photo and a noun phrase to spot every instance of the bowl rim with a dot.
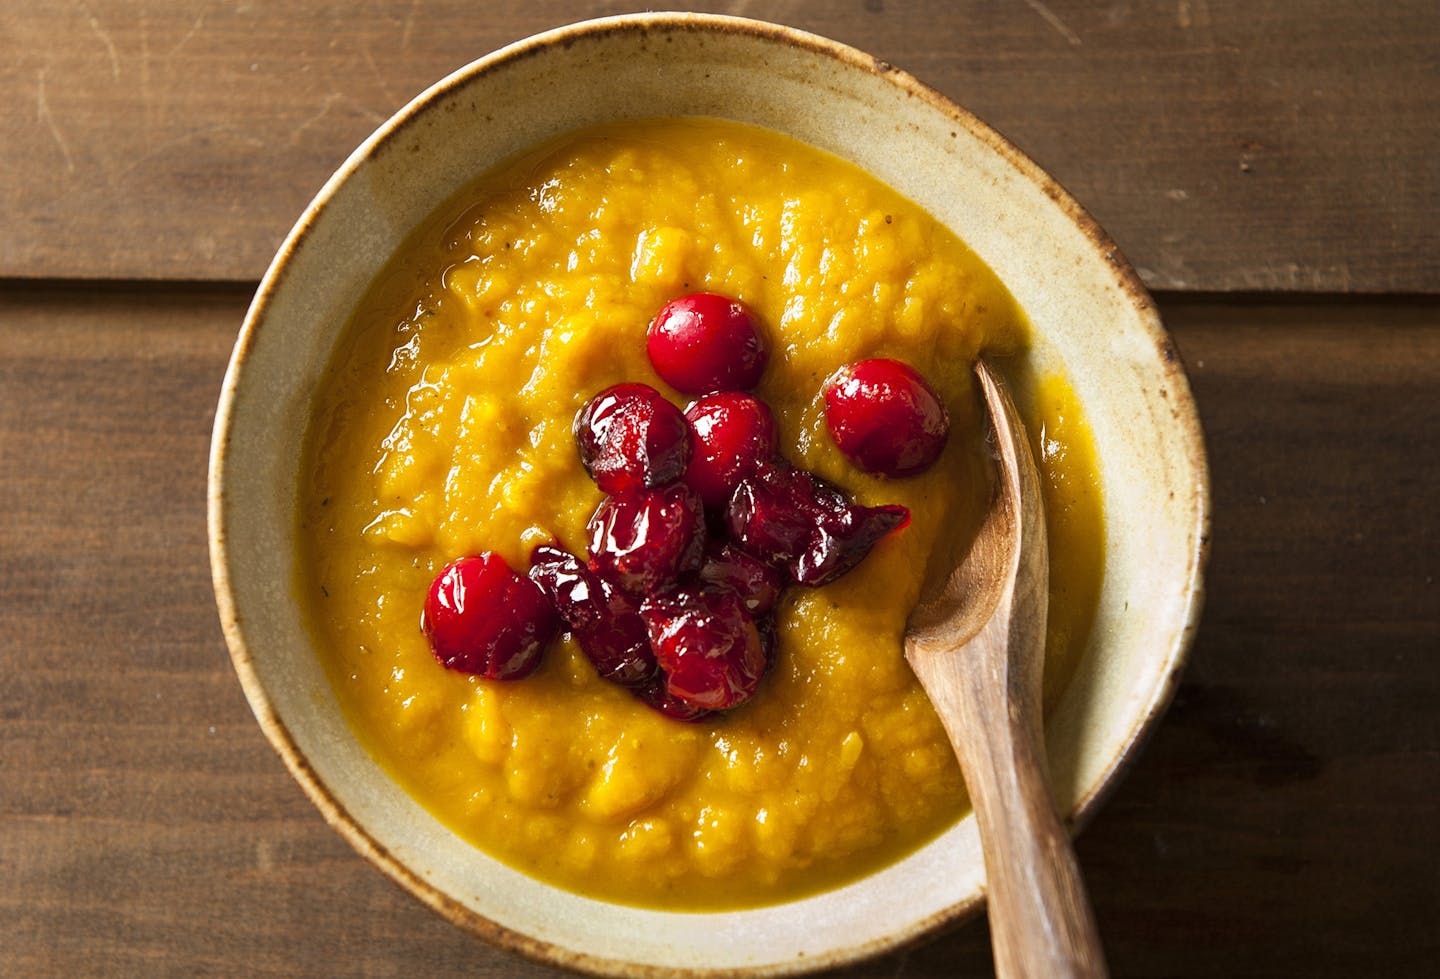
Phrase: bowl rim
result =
(1181, 402)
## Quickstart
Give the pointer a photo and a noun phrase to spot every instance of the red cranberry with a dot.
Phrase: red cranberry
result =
(769, 639)
(885, 417)
(758, 584)
(801, 523)
(733, 433)
(644, 540)
(656, 695)
(481, 617)
(707, 645)
(631, 437)
(603, 619)
(703, 343)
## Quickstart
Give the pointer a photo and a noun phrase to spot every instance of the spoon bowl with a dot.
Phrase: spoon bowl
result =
(977, 645)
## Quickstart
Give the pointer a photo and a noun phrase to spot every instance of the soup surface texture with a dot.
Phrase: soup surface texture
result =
(444, 429)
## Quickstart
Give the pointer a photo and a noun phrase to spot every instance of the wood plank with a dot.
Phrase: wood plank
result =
(1226, 144)
(1284, 820)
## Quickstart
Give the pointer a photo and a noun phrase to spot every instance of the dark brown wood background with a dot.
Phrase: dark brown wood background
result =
(1273, 169)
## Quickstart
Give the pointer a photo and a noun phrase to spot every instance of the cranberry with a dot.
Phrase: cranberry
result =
(603, 619)
(801, 523)
(644, 540)
(769, 639)
(758, 584)
(733, 433)
(631, 437)
(885, 417)
(481, 617)
(704, 343)
(707, 645)
(656, 695)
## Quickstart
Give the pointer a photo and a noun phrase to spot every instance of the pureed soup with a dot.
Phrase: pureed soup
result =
(444, 429)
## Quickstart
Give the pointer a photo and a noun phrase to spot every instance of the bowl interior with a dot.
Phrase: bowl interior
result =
(1091, 322)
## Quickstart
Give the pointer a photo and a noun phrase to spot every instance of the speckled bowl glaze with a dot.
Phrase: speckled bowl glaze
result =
(1092, 321)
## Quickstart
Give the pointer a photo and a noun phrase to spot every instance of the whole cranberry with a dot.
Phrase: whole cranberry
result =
(631, 437)
(757, 583)
(733, 432)
(702, 343)
(657, 696)
(604, 621)
(797, 521)
(885, 417)
(645, 540)
(707, 645)
(481, 617)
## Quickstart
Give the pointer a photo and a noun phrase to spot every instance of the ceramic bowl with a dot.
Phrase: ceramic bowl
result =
(1092, 321)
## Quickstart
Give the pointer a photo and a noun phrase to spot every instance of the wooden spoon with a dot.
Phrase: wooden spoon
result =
(978, 646)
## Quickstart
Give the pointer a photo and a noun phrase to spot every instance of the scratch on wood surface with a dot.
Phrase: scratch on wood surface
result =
(42, 114)
(1050, 18)
(315, 117)
(378, 74)
(185, 38)
(153, 106)
(364, 109)
(104, 36)
(409, 27)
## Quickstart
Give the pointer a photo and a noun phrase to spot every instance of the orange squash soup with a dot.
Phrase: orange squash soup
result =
(444, 429)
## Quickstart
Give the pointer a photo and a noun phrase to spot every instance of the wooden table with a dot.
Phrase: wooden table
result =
(1273, 170)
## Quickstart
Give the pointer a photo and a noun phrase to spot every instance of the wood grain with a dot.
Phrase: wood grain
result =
(1284, 820)
(1226, 144)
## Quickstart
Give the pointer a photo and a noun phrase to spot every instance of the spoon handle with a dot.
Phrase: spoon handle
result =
(1041, 925)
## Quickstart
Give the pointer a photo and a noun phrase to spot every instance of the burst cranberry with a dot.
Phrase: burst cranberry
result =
(630, 437)
(885, 417)
(481, 617)
(644, 540)
(769, 639)
(801, 523)
(704, 343)
(733, 433)
(603, 619)
(707, 645)
(758, 584)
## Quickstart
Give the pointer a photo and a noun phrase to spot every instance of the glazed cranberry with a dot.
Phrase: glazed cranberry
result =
(656, 695)
(885, 417)
(707, 645)
(769, 639)
(630, 437)
(704, 343)
(758, 584)
(733, 433)
(604, 621)
(801, 523)
(646, 539)
(481, 617)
